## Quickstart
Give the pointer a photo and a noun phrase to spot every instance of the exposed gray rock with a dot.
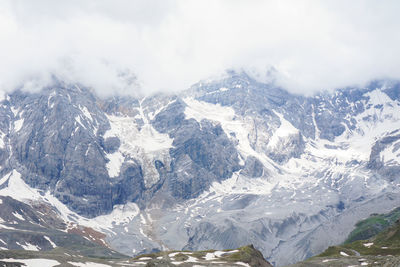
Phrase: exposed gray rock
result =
(38, 226)
(57, 140)
(253, 167)
(111, 144)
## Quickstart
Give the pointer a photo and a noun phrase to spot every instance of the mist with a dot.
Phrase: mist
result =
(130, 47)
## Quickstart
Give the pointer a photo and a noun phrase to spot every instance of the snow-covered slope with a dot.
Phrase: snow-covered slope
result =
(226, 163)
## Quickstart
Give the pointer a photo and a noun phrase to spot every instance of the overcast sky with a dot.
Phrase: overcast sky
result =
(169, 45)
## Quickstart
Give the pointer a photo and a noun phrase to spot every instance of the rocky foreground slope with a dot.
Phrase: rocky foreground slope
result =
(244, 256)
(227, 163)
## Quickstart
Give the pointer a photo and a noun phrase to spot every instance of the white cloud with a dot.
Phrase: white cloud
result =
(169, 45)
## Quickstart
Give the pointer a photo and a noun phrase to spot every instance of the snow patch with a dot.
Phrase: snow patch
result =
(15, 111)
(18, 124)
(17, 188)
(146, 138)
(145, 258)
(328, 260)
(52, 94)
(142, 219)
(217, 254)
(285, 129)
(4, 179)
(51, 242)
(371, 124)
(78, 120)
(88, 264)
(86, 112)
(239, 184)
(121, 214)
(210, 256)
(29, 246)
(368, 245)
(152, 115)
(34, 262)
(114, 164)
(200, 110)
(390, 157)
(6, 227)
(143, 143)
(2, 144)
(18, 216)
(377, 97)
(191, 259)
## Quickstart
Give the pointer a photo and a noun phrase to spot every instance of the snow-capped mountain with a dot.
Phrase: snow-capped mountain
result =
(226, 163)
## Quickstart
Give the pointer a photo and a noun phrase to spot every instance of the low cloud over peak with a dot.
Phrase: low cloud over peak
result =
(122, 47)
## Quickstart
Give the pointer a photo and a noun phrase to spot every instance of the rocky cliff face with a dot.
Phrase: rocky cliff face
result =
(226, 163)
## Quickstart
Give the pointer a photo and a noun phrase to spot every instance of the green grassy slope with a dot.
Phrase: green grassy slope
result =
(381, 247)
(373, 225)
